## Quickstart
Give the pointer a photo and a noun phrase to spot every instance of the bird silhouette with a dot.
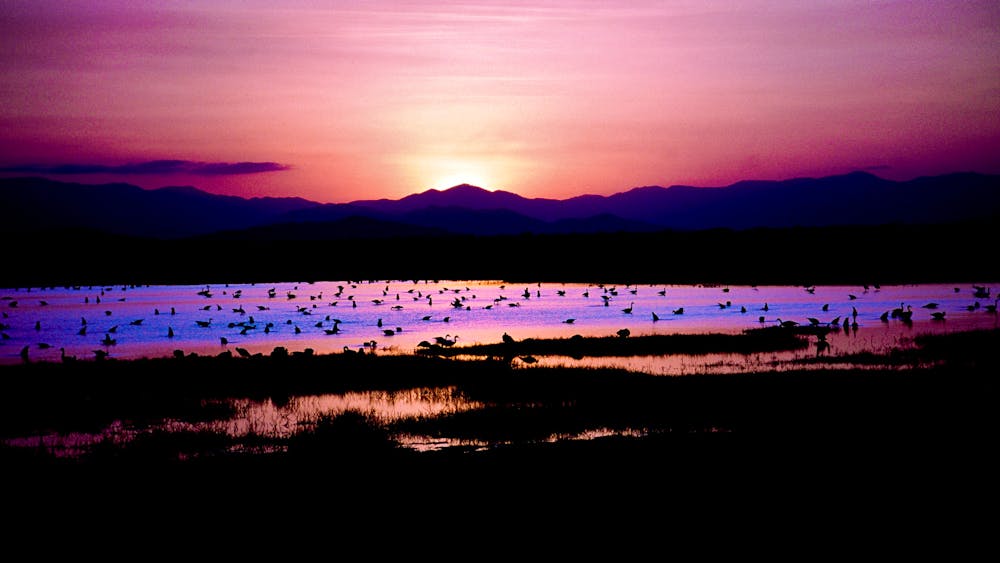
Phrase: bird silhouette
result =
(170, 332)
(628, 310)
(569, 321)
(907, 315)
(624, 333)
(243, 352)
(507, 339)
(655, 317)
(66, 359)
(445, 340)
(679, 311)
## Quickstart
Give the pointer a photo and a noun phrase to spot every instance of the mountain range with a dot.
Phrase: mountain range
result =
(32, 204)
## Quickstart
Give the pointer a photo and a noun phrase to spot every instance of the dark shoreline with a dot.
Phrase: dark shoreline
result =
(919, 410)
(858, 255)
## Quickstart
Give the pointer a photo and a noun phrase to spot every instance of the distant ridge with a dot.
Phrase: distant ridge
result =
(859, 198)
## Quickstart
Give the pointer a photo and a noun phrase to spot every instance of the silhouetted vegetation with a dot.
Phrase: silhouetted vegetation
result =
(769, 339)
(522, 410)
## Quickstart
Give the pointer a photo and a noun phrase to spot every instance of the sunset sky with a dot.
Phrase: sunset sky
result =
(344, 100)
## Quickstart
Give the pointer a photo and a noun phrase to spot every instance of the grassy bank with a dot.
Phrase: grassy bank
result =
(523, 411)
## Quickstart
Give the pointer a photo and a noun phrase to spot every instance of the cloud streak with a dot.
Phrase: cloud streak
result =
(153, 167)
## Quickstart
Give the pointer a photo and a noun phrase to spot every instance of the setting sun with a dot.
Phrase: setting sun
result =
(451, 180)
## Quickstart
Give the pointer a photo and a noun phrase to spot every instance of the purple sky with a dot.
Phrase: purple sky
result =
(337, 101)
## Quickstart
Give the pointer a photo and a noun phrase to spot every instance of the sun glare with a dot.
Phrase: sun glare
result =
(471, 178)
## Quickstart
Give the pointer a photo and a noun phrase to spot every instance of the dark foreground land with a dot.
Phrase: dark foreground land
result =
(817, 255)
(931, 405)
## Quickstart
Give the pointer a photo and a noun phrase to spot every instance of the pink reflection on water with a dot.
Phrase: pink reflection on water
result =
(298, 316)
(268, 419)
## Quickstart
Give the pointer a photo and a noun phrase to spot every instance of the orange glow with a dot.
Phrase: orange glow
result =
(545, 99)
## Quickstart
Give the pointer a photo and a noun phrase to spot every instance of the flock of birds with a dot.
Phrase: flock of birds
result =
(314, 312)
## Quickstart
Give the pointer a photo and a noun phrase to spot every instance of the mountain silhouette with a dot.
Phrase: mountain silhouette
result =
(858, 198)
(34, 204)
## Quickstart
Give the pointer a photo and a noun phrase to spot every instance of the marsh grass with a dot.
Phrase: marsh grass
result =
(947, 398)
(771, 339)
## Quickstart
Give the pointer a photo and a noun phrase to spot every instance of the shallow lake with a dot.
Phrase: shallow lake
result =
(396, 316)
(329, 316)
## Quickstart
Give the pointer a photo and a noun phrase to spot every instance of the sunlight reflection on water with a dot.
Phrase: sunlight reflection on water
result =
(259, 317)
(299, 316)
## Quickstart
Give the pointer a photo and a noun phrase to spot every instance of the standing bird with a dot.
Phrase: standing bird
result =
(66, 359)
(24, 354)
(170, 332)
(655, 317)
(628, 310)
(507, 339)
